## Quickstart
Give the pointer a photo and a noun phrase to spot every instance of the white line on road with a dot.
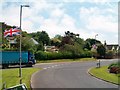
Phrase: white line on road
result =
(44, 68)
(53, 66)
(48, 67)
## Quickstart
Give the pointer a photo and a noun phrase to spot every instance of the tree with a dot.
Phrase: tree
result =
(75, 50)
(80, 41)
(101, 50)
(67, 40)
(90, 42)
(26, 44)
(40, 46)
(24, 34)
(87, 46)
(70, 38)
(41, 37)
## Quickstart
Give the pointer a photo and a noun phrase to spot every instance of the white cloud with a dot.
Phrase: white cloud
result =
(102, 23)
(68, 21)
(27, 26)
(99, 20)
(12, 16)
(57, 12)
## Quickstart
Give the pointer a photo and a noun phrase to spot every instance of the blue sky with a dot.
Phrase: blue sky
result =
(85, 17)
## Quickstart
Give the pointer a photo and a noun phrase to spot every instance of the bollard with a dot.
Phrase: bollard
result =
(21, 81)
(4, 85)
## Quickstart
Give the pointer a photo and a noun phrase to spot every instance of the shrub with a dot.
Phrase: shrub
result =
(109, 54)
(112, 65)
(41, 55)
(114, 68)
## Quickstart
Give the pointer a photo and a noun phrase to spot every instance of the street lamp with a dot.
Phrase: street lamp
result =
(20, 71)
(98, 64)
(95, 37)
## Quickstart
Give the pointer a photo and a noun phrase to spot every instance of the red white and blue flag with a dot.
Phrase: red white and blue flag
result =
(12, 32)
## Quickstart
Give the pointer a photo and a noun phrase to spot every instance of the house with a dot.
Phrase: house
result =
(51, 48)
(113, 47)
(34, 41)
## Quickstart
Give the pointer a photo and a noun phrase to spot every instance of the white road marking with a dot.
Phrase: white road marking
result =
(52, 66)
(44, 68)
(48, 67)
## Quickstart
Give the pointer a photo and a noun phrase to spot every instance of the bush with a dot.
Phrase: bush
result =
(109, 54)
(114, 68)
(9, 49)
(86, 54)
(41, 55)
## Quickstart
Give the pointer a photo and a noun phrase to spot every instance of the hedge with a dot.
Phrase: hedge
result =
(40, 55)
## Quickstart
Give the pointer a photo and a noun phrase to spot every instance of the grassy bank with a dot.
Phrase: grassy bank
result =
(11, 76)
(66, 60)
(104, 74)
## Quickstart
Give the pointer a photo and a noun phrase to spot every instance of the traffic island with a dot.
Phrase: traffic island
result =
(103, 74)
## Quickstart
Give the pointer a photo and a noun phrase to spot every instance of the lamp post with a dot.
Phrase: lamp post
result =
(20, 58)
(98, 64)
(95, 37)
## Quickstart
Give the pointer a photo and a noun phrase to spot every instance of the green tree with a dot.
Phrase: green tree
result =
(26, 44)
(101, 50)
(80, 41)
(70, 38)
(90, 42)
(41, 37)
(40, 46)
(87, 45)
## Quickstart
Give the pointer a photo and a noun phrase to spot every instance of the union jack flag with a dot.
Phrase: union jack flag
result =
(12, 32)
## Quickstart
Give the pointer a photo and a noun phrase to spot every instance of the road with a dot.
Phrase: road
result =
(69, 75)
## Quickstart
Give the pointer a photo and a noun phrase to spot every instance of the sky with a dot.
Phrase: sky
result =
(85, 17)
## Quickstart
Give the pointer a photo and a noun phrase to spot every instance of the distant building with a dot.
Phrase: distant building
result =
(113, 47)
(51, 48)
(34, 41)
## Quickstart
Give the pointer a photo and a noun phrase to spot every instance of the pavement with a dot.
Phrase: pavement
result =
(69, 75)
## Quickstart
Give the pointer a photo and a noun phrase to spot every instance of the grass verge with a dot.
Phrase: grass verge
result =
(11, 76)
(104, 74)
(66, 60)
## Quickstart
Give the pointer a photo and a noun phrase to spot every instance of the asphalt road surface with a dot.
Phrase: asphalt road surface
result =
(69, 75)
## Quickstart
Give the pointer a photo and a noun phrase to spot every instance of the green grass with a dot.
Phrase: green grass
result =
(66, 60)
(103, 73)
(11, 76)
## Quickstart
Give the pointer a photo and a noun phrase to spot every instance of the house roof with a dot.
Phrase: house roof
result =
(115, 46)
(34, 41)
